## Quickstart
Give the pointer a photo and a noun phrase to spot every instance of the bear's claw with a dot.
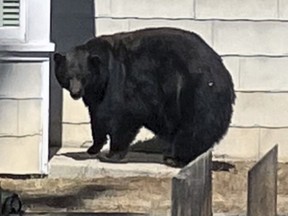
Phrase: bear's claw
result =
(173, 162)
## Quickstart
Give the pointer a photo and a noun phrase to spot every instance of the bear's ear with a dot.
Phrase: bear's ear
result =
(58, 57)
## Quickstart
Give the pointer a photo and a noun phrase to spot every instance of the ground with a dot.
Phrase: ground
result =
(136, 194)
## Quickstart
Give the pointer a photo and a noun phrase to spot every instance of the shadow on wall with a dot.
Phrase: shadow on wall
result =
(72, 23)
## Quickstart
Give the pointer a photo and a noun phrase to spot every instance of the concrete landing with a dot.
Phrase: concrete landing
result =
(76, 163)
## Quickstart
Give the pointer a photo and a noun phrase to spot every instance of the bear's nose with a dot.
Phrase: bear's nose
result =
(76, 96)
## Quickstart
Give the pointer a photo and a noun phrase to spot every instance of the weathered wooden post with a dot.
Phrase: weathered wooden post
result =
(192, 188)
(262, 186)
(1, 202)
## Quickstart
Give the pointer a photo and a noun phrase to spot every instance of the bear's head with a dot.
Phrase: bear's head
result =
(76, 70)
(86, 69)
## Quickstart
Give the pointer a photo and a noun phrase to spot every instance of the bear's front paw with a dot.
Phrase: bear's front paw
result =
(172, 162)
(94, 149)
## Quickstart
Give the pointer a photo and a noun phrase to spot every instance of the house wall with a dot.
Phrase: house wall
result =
(23, 116)
(24, 92)
(251, 37)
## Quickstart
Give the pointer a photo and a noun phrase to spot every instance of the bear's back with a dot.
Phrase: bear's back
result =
(160, 39)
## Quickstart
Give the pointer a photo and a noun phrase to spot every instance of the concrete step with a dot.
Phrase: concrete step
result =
(76, 163)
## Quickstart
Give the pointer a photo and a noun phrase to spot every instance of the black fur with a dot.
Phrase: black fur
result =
(165, 79)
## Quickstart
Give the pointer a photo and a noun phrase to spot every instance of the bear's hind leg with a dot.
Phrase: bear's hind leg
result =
(186, 147)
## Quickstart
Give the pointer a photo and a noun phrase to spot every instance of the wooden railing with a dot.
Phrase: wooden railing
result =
(192, 187)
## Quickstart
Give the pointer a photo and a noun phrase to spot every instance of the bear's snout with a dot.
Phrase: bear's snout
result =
(75, 89)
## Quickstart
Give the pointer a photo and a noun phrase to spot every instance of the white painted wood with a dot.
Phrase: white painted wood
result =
(44, 146)
(15, 33)
(27, 116)
(19, 155)
(33, 34)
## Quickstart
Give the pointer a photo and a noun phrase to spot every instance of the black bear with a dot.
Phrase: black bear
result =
(165, 79)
